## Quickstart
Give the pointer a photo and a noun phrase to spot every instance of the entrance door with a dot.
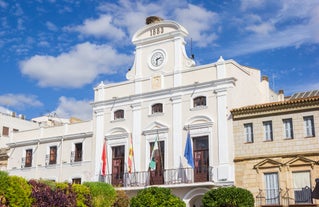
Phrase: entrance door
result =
(201, 159)
(117, 165)
(157, 175)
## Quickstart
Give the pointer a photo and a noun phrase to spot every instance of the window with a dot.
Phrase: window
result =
(268, 130)
(249, 132)
(53, 155)
(288, 131)
(5, 131)
(28, 158)
(272, 188)
(157, 108)
(199, 101)
(119, 114)
(302, 187)
(76, 181)
(309, 126)
(78, 152)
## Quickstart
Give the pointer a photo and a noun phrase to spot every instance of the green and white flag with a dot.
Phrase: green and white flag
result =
(152, 164)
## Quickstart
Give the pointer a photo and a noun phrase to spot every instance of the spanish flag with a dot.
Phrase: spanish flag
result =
(130, 156)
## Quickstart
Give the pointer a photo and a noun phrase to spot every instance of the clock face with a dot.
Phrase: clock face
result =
(157, 59)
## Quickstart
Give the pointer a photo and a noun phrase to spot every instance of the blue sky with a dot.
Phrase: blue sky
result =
(54, 52)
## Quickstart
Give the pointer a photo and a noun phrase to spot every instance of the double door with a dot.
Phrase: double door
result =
(201, 159)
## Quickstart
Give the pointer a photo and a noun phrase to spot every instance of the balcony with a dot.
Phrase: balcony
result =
(300, 197)
(160, 177)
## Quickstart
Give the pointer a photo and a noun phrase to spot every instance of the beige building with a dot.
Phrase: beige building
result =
(277, 150)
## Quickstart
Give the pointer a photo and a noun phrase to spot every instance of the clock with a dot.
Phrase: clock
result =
(157, 59)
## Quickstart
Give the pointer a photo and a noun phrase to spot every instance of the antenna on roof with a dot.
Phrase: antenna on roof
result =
(192, 54)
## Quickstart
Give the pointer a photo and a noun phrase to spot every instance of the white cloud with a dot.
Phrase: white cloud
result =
(263, 28)
(19, 101)
(76, 68)
(289, 25)
(70, 107)
(251, 4)
(3, 4)
(51, 26)
(130, 16)
(101, 27)
(199, 22)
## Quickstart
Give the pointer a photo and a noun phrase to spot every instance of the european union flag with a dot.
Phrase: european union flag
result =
(188, 152)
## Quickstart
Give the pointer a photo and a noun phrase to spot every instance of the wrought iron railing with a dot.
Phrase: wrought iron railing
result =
(167, 177)
(284, 197)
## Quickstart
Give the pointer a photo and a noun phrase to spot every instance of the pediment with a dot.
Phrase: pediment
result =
(300, 161)
(155, 128)
(268, 163)
(116, 133)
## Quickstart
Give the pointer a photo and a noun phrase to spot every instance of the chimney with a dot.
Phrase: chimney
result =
(281, 95)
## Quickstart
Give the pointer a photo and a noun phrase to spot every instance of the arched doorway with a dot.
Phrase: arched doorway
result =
(194, 197)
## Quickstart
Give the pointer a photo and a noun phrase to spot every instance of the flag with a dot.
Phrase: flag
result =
(130, 157)
(188, 152)
(103, 170)
(152, 164)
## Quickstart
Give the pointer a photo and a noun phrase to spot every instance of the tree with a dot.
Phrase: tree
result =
(156, 197)
(228, 197)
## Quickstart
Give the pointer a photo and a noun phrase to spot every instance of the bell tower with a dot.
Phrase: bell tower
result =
(160, 54)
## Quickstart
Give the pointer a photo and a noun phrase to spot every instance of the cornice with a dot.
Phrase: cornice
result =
(220, 84)
(280, 107)
(50, 139)
(271, 156)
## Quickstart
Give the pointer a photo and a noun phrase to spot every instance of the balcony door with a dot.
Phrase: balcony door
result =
(201, 159)
(157, 175)
(118, 154)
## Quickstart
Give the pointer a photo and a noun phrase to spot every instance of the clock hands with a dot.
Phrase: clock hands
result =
(157, 59)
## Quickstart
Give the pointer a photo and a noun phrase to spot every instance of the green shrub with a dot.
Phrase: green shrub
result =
(83, 195)
(156, 197)
(18, 192)
(228, 197)
(4, 183)
(122, 199)
(103, 194)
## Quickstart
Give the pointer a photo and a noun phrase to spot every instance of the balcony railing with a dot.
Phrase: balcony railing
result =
(284, 197)
(166, 177)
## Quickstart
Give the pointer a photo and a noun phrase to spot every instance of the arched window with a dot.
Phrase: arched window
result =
(157, 108)
(119, 114)
(199, 101)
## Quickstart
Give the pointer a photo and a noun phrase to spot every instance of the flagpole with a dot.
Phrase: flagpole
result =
(160, 153)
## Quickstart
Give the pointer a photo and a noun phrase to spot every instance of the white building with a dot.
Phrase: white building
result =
(60, 153)
(9, 123)
(166, 96)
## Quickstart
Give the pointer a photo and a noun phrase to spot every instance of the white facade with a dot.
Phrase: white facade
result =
(163, 74)
(60, 153)
(10, 123)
